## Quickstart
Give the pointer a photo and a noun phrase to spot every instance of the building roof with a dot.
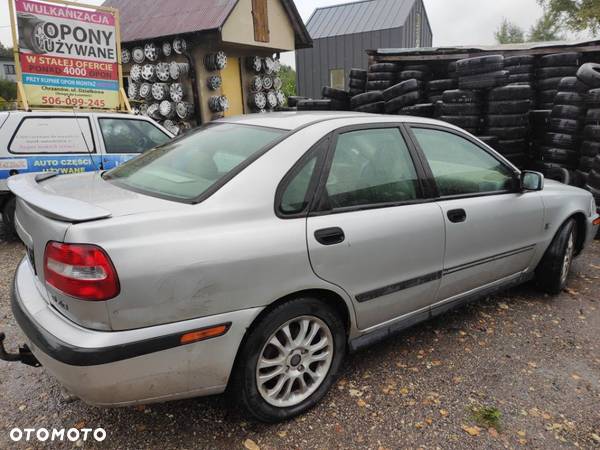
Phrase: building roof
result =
(358, 17)
(151, 19)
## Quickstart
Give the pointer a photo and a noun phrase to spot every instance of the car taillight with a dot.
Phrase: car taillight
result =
(82, 271)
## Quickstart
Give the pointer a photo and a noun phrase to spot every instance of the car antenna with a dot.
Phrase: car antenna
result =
(86, 143)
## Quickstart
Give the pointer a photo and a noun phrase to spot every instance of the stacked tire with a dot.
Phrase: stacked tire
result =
(482, 72)
(462, 108)
(381, 76)
(561, 142)
(589, 76)
(507, 119)
(357, 82)
(340, 100)
(405, 94)
(369, 102)
(552, 69)
(521, 69)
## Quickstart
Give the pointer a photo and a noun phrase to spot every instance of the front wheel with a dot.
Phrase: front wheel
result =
(553, 270)
(289, 360)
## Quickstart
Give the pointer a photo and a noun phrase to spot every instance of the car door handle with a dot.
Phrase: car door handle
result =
(330, 236)
(457, 215)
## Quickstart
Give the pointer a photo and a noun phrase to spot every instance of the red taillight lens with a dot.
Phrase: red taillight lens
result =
(82, 271)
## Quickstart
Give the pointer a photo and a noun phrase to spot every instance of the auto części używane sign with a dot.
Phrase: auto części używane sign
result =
(68, 55)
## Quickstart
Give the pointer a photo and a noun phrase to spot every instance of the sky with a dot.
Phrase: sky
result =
(454, 22)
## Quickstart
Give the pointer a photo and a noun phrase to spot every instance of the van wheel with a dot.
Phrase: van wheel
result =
(290, 359)
(8, 219)
(553, 270)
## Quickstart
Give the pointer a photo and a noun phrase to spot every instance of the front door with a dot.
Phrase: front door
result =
(371, 233)
(491, 228)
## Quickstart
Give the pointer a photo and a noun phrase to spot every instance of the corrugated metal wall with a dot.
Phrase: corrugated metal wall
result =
(349, 51)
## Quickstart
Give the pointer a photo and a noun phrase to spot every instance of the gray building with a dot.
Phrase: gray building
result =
(7, 69)
(342, 33)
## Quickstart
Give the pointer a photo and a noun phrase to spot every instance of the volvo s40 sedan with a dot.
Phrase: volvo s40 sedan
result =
(252, 254)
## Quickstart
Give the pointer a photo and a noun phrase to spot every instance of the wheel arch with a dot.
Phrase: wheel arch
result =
(581, 224)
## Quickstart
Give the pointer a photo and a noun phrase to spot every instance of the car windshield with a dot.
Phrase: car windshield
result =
(186, 168)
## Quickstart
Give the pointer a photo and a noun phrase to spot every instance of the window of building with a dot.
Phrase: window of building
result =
(260, 17)
(9, 69)
(337, 79)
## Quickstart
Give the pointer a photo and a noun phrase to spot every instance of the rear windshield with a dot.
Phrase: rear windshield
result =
(187, 167)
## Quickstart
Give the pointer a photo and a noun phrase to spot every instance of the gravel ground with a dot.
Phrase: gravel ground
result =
(533, 361)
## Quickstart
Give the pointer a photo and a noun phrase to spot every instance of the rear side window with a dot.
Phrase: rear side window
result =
(130, 136)
(53, 135)
(187, 167)
(371, 167)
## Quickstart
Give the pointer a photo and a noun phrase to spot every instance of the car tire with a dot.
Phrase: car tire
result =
(553, 270)
(336, 94)
(413, 74)
(509, 107)
(567, 112)
(592, 98)
(547, 84)
(378, 85)
(463, 121)
(401, 89)
(382, 76)
(511, 146)
(507, 120)
(560, 59)
(572, 84)
(461, 96)
(507, 133)
(520, 60)
(546, 98)
(245, 387)
(8, 219)
(556, 72)
(419, 110)
(383, 67)
(511, 92)
(589, 74)
(520, 78)
(561, 140)
(461, 109)
(569, 98)
(479, 65)
(590, 148)
(358, 74)
(484, 80)
(408, 99)
(560, 155)
(442, 85)
(568, 126)
(366, 98)
(372, 108)
(586, 164)
(593, 117)
(526, 69)
(592, 132)
(355, 83)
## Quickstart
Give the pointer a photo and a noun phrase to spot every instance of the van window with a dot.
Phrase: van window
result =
(130, 135)
(53, 135)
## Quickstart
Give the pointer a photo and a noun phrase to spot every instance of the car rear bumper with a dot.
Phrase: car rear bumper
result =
(127, 367)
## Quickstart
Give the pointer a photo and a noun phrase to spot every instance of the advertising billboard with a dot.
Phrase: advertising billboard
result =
(68, 55)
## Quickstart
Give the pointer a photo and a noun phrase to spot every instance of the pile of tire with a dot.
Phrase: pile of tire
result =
(507, 119)
(435, 88)
(381, 76)
(358, 82)
(462, 108)
(368, 102)
(562, 141)
(552, 69)
(521, 69)
(340, 100)
(405, 94)
(482, 72)
(589, 74)
(314, 105)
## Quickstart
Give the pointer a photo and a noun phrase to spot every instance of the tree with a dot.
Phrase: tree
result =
(6, 52)
(288, 80)
(546, 29)
(8, 90)
(576, 15)
(509, 33)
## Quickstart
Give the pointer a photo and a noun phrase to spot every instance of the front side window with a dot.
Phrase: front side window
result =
(53, 135)
(185, 168)
(461, 167)
(371, 167)
(130, 136)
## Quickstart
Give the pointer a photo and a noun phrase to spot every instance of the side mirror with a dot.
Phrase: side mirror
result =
(531, 181)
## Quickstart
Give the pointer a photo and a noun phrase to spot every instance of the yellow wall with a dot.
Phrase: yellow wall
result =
(232, 86)
(239, 27)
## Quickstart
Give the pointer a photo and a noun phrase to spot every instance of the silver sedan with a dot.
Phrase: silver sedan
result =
(252, 254)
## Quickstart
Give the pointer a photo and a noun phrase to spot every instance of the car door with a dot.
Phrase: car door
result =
(492, 228)
(124, 138)
(370, 230)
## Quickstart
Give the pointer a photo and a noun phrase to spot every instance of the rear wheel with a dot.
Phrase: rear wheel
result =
(553, 270)
(289, 360)
(8, 219)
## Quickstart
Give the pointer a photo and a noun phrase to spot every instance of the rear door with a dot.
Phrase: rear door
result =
(491, 227)
(123, 138)
(370, 231)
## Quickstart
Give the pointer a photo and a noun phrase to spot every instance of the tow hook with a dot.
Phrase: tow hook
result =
(24, 356)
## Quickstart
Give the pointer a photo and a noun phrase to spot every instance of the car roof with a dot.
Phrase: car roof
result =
(294, 120)
(78, 112)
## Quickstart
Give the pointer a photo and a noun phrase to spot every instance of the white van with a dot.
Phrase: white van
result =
(68, 142)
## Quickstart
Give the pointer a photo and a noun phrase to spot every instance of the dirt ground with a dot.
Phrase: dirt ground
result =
(518, 370)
